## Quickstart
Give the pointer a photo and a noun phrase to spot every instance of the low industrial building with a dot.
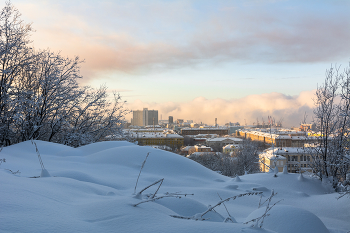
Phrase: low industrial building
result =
(171, 140)
(205, 130)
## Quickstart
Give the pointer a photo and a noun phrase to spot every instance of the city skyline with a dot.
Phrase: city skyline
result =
(200, 60)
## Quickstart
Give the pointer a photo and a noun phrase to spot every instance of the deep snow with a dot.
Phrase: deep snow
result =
(91, 190)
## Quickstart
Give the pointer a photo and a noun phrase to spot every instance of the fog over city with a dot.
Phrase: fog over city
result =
(290, 109)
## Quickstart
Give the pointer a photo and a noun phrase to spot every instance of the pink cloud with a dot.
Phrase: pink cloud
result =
(238, 34)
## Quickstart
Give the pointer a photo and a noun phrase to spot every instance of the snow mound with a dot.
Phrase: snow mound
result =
(159, 162)
(232, 186)
(23, 148)
(290, 219)
(91, 190)
(100, 146)
(302, 194)
(288, 184)
(44, 173)
(189, 207)
(262, 188)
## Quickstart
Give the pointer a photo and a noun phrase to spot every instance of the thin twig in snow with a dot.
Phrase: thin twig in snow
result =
(179, 194)
(226, 208)
(143, 164)
(161, 180)
(153, 199)
(260, 204)
(268, 208)
(39, 157)
(199, 216)
(229, 198)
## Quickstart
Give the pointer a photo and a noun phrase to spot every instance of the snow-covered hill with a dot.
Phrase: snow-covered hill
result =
(91, 189)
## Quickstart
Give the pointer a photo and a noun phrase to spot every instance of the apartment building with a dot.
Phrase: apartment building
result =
(297, 159)
(144, 117)
(284, 138)
(270, 160)
(228, 149)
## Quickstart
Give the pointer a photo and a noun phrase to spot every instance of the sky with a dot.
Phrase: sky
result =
(237, 61)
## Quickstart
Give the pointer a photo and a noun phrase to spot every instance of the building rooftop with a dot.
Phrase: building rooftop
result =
(224, 138)
(231, 146)
(145, 134)
(207, 128)
(269, 155)
(281, 152)
(290, 150)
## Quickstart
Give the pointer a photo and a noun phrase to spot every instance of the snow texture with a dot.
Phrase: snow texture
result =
(90, 189)
(289, 219)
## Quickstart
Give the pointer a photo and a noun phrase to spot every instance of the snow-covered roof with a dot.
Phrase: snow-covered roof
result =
(200, 139)
(280, 134)
(206, 128)
(220, 139)
(186, 148)
(173, 136)
(290, 150)
(201, 153)
(232, 146)
(153, 135)
(202, 147)
(270, 154)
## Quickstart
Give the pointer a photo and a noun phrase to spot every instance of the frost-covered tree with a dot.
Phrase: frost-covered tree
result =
(94, 117)
(208, 159)
(14, 56)
(331, 155)
(40, 97)
(45, 91)
(244, 160)
(247, 157)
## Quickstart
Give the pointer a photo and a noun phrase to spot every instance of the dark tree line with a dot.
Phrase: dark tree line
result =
(40, 97)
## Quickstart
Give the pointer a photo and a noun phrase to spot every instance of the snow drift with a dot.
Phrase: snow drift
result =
(90, 189)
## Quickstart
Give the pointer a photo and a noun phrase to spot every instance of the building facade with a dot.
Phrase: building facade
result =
(297, 159)
(228, 149)
(269, 160)
(171, 120)
(278, 138)
(221, 142)
(196, 131)
(173, 141)
(145, 117)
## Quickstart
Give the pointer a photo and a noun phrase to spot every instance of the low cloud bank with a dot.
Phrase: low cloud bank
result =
(290, 109)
